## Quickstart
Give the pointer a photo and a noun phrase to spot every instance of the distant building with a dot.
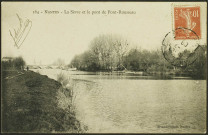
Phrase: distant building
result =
(4, 59)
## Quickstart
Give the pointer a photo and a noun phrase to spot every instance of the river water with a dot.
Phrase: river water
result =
(136, 104)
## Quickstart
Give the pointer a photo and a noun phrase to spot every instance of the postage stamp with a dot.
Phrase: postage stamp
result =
(189, 18)
(180, 45)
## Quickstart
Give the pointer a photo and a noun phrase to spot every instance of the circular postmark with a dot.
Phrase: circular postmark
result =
(180, 52)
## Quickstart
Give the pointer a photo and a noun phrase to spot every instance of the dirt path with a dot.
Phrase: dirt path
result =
(10, 77)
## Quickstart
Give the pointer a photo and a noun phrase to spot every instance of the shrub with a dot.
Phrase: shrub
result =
(62, 79)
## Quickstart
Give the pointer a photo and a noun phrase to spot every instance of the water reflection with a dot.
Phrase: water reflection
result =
(122, 75)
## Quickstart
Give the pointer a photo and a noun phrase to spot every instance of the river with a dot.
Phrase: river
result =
(112, 103)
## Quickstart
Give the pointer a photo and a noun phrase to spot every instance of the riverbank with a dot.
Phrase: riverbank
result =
(32, 103)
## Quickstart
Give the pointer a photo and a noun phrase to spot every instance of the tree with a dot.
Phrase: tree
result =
(19, 63)
(133, 60)
(109, 50)
(59, 62)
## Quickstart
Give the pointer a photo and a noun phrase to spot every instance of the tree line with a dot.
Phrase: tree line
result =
(113, 53)
(106, 52)
(13, 63)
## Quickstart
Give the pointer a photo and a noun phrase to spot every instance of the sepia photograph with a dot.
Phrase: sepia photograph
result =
(104, 67)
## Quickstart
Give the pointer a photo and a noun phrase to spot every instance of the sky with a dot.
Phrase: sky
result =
(54, 36)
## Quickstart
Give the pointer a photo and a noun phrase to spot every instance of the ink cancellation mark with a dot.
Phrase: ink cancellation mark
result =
(20, 34)
(181, 53)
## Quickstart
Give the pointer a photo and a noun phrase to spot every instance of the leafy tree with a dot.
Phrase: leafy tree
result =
(15, 63)
(19, 63)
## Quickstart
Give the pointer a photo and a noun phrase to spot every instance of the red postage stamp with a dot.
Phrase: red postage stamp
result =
(189, 19)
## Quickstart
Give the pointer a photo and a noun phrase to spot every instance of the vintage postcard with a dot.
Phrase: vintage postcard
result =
(104, 67)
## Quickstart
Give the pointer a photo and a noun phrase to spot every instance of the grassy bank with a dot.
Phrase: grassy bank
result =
(30, 103)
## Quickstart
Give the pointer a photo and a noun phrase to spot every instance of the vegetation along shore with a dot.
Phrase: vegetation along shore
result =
(114, 53)
(33, 103)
